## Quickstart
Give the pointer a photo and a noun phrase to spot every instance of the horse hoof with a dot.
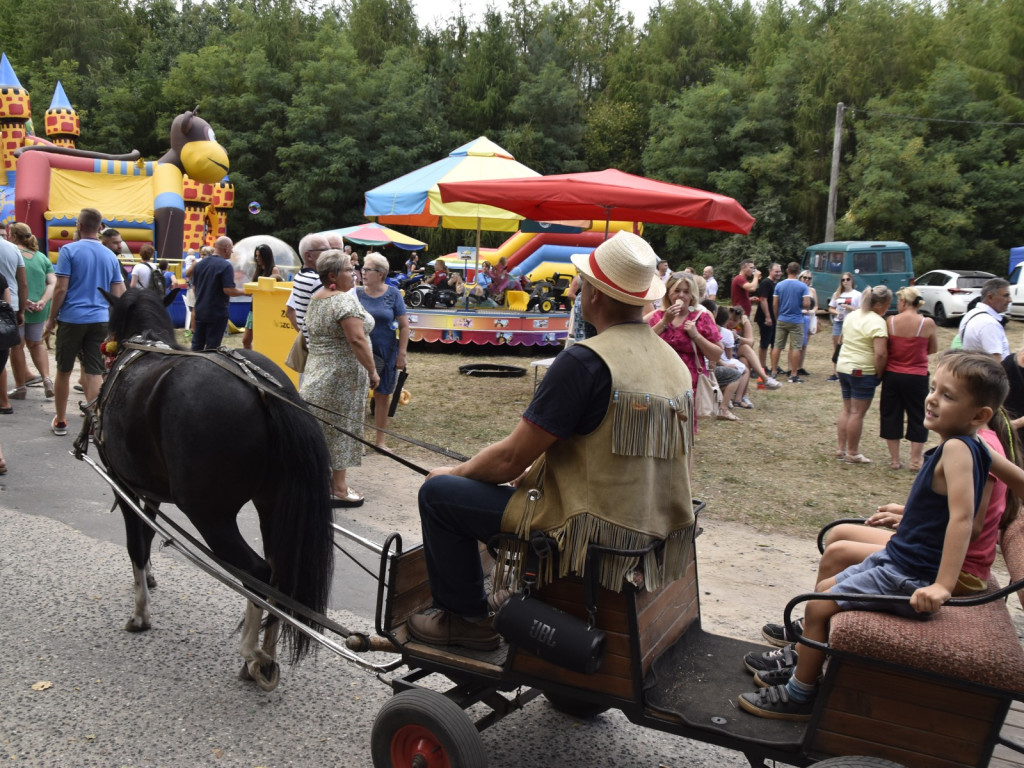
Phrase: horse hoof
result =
(136, 625)
(243, 673)
(268, 676)
(150, 581)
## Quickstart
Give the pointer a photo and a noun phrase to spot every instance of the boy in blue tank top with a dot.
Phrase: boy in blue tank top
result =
(924, 556)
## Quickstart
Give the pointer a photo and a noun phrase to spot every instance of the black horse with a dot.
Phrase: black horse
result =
(179, 428)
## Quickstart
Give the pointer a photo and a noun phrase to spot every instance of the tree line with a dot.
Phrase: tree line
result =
(318, 102)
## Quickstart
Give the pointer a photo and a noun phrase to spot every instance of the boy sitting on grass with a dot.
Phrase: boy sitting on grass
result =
(924, 556)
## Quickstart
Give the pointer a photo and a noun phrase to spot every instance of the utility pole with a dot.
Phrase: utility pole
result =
(833, 183)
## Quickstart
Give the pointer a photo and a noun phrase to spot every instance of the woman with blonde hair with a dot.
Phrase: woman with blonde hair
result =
(912, 338)
(861, 364)
(690, 330)
(41, 282)
(389, 337)
(843, 302)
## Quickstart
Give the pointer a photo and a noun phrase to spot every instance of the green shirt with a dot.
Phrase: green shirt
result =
(37, 267)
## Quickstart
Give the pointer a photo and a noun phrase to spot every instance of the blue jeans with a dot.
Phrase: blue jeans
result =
(455, 514)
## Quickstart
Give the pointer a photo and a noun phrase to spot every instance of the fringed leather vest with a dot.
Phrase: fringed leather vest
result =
(627, 483)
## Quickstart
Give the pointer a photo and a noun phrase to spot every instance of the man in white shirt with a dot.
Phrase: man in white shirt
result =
(981, 329)
(709, 278)
(307, 281)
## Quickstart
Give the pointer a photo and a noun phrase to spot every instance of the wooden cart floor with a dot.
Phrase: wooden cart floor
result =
(699, 679)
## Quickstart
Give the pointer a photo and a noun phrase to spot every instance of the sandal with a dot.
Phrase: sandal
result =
(914, 467)
(3, 467)
(350, 499)
(727, 416)
(857, 458)
(7, 410)
(897, 466)
(18, 393)
(47, 386)
(840, 455)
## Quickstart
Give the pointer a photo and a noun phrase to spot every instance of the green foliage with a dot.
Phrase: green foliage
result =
(318, 102)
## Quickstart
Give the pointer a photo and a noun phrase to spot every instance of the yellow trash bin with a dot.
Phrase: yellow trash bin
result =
(272, 334)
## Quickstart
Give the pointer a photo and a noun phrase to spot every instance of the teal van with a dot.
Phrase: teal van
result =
(871, 262)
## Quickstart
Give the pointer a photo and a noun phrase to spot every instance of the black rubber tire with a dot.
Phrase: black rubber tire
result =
(493, 370)
(940, 315)
(432, 712)
(414, 298)
(857, 761)
(581, 710)
(546, 304)
(429, 300)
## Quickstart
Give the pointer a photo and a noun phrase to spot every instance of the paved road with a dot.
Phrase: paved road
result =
(170, 696)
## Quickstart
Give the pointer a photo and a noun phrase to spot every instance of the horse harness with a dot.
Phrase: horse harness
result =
(132, 350)
(237, 365)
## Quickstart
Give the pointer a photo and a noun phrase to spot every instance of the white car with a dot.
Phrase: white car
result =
(947, 292)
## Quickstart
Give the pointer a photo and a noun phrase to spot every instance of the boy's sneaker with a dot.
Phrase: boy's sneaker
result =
(803, 372)
(777, 635)
(59, 428)
(833, 377)
(772, 383)
(769, 661)
(780, 372)
(795, 380)
(767, 679)
(775, 703)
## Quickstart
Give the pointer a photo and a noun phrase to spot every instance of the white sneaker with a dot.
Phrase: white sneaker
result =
(745, 402)
(771, 383)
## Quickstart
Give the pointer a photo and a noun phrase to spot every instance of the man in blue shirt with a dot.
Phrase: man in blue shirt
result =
(214, 281)
(83, 267)
(791, 297)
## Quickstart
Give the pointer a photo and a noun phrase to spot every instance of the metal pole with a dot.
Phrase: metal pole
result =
(833, 184)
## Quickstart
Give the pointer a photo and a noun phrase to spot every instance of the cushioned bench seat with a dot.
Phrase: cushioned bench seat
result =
(975, 643)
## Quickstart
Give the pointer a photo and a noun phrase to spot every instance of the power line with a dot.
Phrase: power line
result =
(935, 119)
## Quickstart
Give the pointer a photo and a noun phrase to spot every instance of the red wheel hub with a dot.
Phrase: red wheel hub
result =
(416, 747)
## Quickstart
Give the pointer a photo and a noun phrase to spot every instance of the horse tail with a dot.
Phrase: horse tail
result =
(299, 544)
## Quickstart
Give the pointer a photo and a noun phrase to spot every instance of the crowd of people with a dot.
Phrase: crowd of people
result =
(599, 424)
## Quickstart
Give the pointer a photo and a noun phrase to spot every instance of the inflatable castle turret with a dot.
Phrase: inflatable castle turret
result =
(62, 123)
(15, 115)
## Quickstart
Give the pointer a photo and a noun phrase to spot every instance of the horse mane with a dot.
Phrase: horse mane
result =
(140, 312)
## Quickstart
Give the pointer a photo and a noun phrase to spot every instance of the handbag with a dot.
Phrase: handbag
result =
(707, 395)
(9, 334)
(296, 359)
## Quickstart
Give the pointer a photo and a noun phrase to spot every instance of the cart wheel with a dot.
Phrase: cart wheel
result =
(425, 729)
(414, 298)
(546, 304)
(857, 761)
(581, 710)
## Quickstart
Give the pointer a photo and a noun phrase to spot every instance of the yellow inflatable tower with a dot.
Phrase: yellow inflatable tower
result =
(62, 123)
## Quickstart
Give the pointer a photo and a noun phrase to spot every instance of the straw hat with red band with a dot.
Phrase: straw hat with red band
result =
(624, 267)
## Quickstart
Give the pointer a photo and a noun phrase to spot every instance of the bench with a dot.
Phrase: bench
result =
(943, 685)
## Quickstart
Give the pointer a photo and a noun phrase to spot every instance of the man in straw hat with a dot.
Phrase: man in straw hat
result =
(599, 456)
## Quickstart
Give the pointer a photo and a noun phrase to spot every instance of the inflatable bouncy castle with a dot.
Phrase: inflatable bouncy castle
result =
(175, 203)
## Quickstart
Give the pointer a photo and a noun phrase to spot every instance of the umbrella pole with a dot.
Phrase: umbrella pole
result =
(476, 263)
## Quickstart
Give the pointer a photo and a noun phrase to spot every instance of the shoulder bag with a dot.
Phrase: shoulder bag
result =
(296, 359)
(9, 334)
(707, 395)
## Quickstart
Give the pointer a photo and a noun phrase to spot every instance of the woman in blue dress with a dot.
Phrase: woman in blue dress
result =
(384, 303)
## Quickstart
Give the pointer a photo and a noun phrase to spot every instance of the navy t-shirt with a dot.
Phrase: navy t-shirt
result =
(210, 277)
(573, 396)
